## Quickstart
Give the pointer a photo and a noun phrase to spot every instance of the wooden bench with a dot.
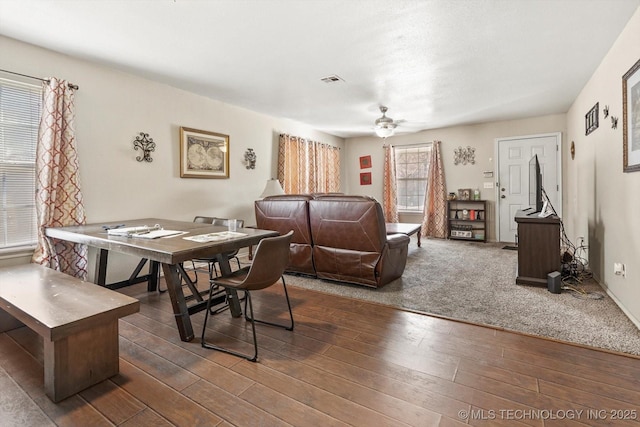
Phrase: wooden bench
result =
(77, 320)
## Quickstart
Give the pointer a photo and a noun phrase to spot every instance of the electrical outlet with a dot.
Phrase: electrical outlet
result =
(619, 269)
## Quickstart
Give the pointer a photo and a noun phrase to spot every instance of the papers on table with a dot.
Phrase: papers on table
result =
(215, 237)
(143, 231)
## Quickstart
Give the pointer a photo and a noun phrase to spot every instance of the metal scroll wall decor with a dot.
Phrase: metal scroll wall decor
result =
(146, 145)
(250, 158)
(464, 155)
(614, 120)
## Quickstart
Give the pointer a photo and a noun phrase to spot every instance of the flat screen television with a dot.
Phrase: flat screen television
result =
(535, 186)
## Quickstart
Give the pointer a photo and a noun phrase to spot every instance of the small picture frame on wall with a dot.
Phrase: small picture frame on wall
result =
(631, 119)
(203, 154)
(464, 194)
(591, 119)
(365, 162)
(365, 178)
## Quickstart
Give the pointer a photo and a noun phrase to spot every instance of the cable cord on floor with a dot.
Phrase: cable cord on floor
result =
(574, 262)
(573, 283)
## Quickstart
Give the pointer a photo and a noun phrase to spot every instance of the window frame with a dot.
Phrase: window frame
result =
(427, 146)
(22, 160)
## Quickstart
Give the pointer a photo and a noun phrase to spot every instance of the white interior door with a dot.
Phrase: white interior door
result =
(513, 177)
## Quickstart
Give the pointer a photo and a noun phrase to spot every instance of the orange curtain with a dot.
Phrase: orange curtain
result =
(58, 197)
(389, 187)
(434, 223)
(306, 166)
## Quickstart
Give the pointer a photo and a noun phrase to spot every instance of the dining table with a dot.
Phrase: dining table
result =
(181, 241)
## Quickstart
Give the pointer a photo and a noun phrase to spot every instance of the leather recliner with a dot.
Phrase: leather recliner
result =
(287, 212)
(350, 243)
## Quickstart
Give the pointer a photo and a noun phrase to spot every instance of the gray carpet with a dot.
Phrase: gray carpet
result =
(475, 282)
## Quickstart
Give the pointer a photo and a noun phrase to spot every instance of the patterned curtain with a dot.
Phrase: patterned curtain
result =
(307, 166)
(58, 198)
(434, 223)
(389, 186)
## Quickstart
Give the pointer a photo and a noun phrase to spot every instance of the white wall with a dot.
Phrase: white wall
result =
(113, 107)
(603, 203)
(481, 137)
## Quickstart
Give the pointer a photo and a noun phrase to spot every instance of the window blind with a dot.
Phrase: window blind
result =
(412, 168)
(20, 107)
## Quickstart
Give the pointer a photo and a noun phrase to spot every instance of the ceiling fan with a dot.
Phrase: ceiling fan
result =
(385, 126)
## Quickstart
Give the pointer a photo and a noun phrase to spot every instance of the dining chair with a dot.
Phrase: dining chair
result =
(212, 261)
(230, 255)
(192, 282)
(269, 262)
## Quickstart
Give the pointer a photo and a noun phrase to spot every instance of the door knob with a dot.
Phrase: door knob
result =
(503, 197)
(502, 189)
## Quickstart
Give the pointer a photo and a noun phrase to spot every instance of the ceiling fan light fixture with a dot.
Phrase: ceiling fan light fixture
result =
(385, 131)
(385, 126)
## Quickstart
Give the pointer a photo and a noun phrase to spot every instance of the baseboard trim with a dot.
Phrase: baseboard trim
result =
(618, 303)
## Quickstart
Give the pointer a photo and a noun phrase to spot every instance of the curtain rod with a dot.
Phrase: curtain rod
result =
(71, 85)
(418, 144)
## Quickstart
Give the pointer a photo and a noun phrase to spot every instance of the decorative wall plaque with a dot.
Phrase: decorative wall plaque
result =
(591, 119)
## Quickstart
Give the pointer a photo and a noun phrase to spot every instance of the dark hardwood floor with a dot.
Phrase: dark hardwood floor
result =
(347, 362)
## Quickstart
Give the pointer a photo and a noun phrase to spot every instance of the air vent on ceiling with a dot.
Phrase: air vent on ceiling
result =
(332, 79)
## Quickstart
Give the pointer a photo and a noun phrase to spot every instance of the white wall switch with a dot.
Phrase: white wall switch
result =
(488, 185)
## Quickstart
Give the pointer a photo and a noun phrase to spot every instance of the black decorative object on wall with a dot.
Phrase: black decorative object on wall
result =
(614, 122)
(146, 144)
(591, 119)
(250, 158)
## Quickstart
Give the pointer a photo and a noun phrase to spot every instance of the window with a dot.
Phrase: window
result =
(412, 167)
(20, 106)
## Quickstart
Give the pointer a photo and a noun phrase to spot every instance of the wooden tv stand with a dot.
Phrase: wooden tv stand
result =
(538, 248)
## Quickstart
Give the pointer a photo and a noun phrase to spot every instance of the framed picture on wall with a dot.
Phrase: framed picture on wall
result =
(203, 154)
(365, 162)
(631, 119)
(365, 178)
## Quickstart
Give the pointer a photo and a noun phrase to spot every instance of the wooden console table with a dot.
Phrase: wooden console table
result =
(404, 228)
(538, 248)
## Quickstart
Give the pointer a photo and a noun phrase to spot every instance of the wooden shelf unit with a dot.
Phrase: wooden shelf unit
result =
(466, 216)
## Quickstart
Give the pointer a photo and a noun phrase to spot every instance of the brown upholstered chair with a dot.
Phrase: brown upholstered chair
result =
(350, 242)
(269, 262)
(289, 212)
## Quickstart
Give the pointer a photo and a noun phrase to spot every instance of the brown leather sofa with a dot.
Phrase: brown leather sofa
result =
(282, 214)
(345, 241)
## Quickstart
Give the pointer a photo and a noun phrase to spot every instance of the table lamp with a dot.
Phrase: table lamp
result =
(273, 188)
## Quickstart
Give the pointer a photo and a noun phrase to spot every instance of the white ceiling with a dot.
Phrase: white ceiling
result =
(434, 63)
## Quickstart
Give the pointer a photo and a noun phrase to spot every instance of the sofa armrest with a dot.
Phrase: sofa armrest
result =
(397, 240)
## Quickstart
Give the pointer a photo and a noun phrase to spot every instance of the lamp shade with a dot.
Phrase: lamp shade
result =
(273, 188)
